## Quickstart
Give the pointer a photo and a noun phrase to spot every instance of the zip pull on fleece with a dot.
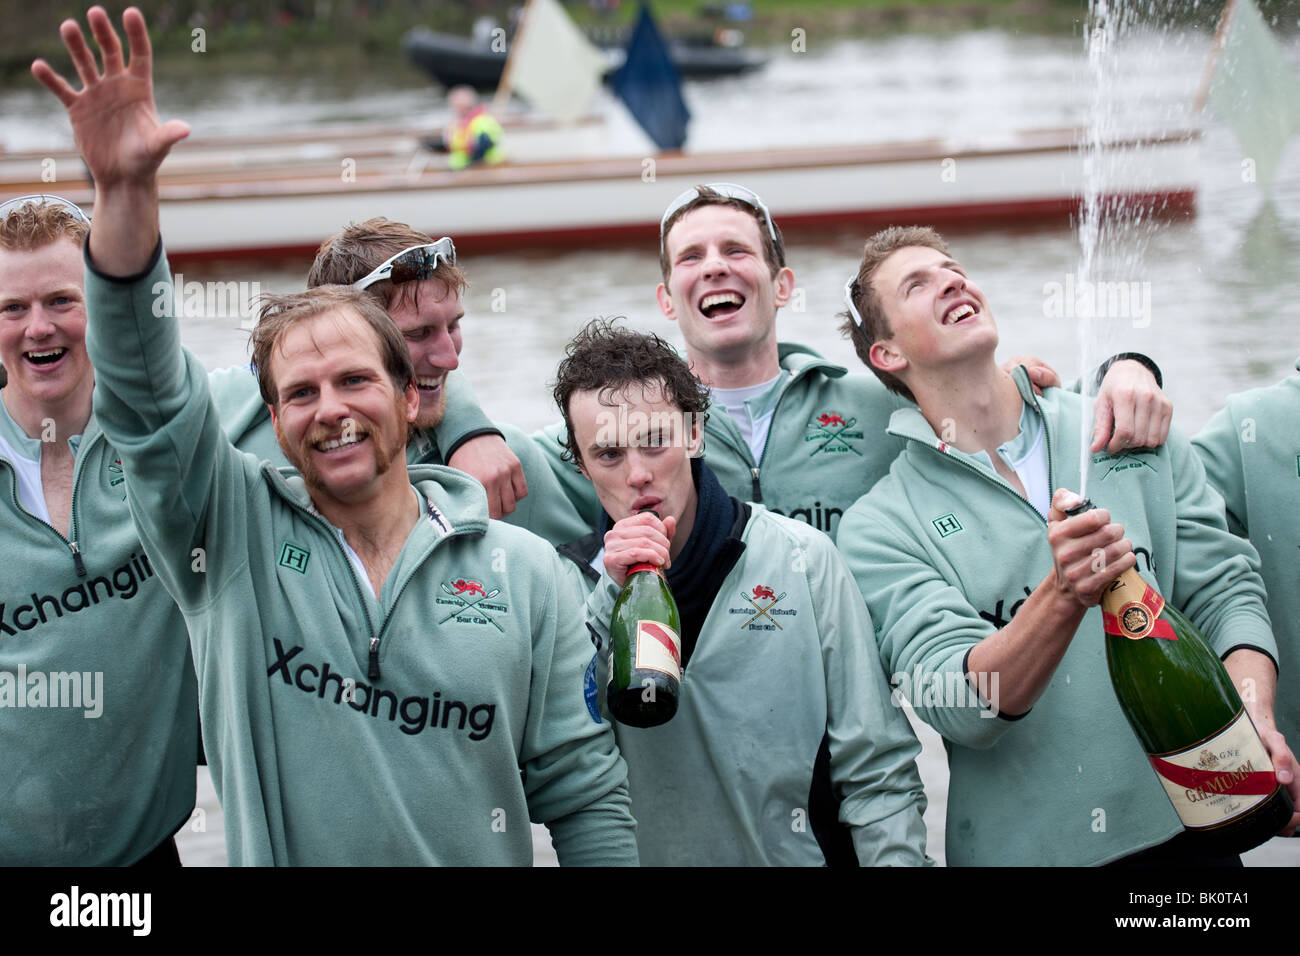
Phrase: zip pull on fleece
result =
(374, 658)
(758, 492)
(76, 559)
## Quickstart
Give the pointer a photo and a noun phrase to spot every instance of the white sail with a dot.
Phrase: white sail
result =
(552, 65)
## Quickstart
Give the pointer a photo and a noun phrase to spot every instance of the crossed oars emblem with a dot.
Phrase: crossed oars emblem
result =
(764, 593)
(832, 427)
(471, 605)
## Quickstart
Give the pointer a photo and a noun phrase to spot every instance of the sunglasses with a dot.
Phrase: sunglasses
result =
(409, 265)
(40, 199)
(848, 300)
(730, 191)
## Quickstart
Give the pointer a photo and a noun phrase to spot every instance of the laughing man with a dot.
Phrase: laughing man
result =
(791, 430)
(385, 675)
(418, 282)
(972, 572)
(98, 708)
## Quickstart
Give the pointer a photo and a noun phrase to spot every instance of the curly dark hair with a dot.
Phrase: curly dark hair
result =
(607, 358)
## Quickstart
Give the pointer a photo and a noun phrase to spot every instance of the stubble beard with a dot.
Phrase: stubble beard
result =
(432, 418)
(383, 450)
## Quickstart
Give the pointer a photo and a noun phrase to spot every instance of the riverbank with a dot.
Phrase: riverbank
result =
(193, 34)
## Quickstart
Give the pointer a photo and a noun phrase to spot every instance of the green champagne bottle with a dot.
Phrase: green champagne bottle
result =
(1189, 718)
(645, 655)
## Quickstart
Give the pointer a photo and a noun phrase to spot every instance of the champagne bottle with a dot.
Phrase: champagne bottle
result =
(1189, 718)
(645, 656)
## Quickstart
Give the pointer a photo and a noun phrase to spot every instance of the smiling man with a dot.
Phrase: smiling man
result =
(785, 749)
(973, 574)
(791, 430)
(98, 708)
(418, 281)
(386, 676)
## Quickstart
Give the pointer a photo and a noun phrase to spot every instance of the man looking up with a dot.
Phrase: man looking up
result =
(785, 749)
(799, 434)
(975, 576)
(386, 675)
(98, 708)
(419, 283)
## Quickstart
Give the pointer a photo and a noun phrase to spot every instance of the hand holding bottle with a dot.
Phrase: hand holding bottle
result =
(1183, 706)
(645, 665)
(638, 539)
(1255, 678)
(1089, 551)
(1284, 764)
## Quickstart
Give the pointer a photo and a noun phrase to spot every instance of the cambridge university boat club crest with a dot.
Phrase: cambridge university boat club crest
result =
(833, 433)
(760, 609)
(471, 602)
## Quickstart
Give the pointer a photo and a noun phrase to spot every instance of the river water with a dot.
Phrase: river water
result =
(1220, 294)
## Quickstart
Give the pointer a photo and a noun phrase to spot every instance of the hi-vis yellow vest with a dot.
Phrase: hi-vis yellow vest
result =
(461, 148)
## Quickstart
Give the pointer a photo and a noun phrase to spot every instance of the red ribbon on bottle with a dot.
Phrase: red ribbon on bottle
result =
(1239, 783)
(664, 637)
(1149, 605)
(1161, 628)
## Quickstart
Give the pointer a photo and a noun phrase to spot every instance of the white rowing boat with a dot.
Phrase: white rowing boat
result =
(284, 194)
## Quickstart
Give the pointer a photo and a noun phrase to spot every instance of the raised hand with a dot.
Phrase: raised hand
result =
(119, 135)
(113, 116)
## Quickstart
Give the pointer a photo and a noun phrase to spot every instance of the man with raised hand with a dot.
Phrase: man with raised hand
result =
(385, 675)
(793, 431)
(418, 282)
(984, 593)
(98, 708)
(785, 748)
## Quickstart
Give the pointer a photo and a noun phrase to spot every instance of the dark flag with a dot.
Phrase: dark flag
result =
(648, 83)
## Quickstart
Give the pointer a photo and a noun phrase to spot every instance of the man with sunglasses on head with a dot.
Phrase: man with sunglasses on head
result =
(980, 581)
(386, 676)
(418, 281)
(98, 706)
(799, 435)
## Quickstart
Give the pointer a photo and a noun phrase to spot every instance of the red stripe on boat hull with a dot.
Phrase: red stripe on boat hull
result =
(1168, 205)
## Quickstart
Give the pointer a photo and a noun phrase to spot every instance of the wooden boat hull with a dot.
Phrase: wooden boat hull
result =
(288, 210)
